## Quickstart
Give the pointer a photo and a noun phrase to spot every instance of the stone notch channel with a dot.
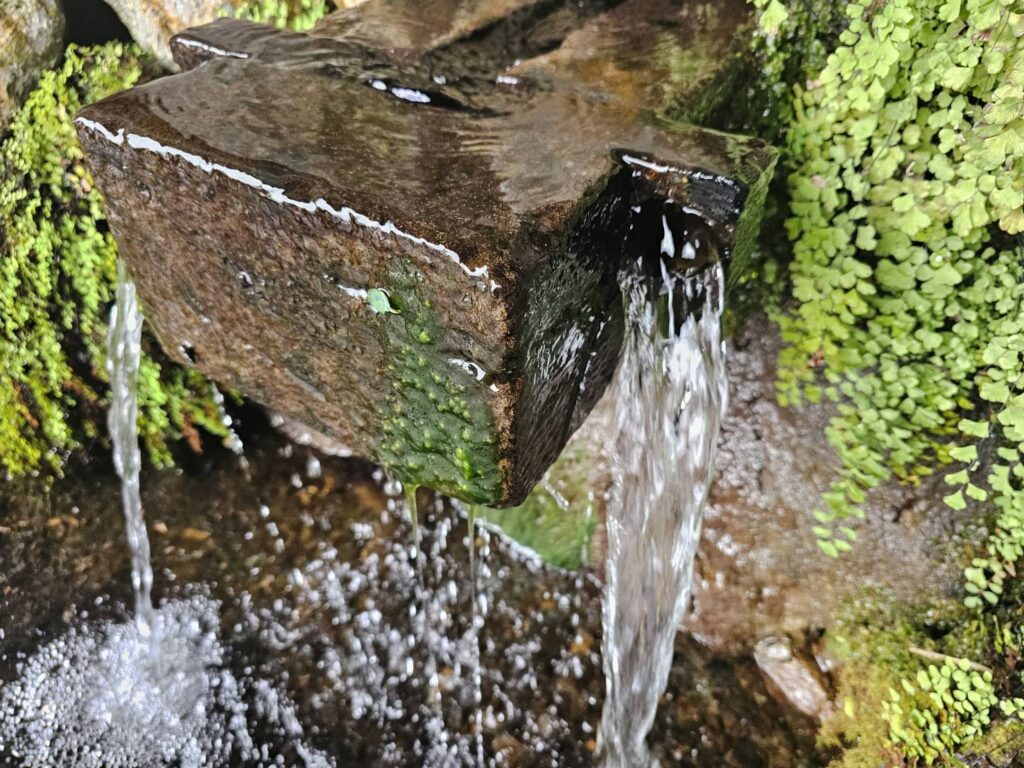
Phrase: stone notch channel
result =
(403, 228)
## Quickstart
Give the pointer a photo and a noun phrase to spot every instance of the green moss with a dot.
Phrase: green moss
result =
(558, 518)
(1002, 746)
(749, 225)
(56, 278)
(921, 684)
(857, 729)
(299, 15)
(57, 267)
(439, 430)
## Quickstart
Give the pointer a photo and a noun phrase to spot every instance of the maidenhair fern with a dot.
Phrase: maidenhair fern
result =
(905, 147)
(941, 708)
(907, 155)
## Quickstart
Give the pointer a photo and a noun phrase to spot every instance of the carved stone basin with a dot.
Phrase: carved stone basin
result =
(403, 229)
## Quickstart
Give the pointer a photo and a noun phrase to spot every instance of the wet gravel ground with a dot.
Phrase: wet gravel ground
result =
(304, 635)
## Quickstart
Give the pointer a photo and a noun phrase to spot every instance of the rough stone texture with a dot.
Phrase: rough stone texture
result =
(31, 40)
(759, 570)
(491, 175)
(153, 22)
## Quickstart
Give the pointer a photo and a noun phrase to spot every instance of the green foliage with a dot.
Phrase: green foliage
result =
(906, 157)
(558, 518)
(792, 46)
(380, 302)
(299, 15)
(1002, 745)
(939, 709)
(907, 151)
(909, 687)
(57, 268)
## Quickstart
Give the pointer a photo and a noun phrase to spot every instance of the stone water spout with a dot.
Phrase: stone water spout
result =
(403, 229)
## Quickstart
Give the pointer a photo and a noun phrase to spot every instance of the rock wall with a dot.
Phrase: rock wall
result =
(759, 569)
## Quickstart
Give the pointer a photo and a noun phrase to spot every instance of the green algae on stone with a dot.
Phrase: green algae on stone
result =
(559, 517)
(438, 429)
(748, 228)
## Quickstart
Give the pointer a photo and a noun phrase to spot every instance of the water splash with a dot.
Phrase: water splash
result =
(155, 692)
(124, 350)
(104, 696)
(670, 393)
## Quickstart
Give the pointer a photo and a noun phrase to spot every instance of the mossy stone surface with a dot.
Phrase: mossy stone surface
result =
(485, 182)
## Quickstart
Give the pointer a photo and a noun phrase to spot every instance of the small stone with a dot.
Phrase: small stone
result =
(153, 22)
(795, 678)
(31, 40)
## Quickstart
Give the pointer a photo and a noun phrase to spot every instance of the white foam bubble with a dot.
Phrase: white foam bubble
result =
(106, 695)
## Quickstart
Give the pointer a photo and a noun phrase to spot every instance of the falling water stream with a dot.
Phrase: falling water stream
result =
(124, 350)
(670, 395)
(159, 690)
(154, 691)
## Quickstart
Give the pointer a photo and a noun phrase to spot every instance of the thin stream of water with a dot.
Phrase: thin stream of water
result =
(477, 621)
(425, 622)
(670, 393)
(124, 350)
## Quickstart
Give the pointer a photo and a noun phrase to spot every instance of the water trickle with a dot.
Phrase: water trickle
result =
(476, 624)
(425, 627)
(157, 691)
(670, 393)
(124, 349)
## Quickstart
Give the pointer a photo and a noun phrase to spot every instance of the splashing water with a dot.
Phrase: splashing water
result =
(670, 393)
(104, 696)
(157, 691)
(124, 349)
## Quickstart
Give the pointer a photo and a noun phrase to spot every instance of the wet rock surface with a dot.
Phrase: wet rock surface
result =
(152, 23)
(403, 229)
(31, 40)
(760, 575)
(759, 570)
(303, 576)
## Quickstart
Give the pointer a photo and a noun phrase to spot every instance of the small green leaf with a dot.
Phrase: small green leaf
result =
(379, 301)
(955, 501)
(828, 547)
